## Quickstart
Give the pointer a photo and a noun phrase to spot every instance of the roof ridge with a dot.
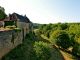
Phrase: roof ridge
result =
(22, 18)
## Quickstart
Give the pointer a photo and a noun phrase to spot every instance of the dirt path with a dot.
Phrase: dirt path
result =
(66, 57)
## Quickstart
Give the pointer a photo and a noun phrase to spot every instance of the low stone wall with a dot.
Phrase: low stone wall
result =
(8, 40)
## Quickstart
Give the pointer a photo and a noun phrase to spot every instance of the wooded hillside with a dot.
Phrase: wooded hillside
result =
(65, 35)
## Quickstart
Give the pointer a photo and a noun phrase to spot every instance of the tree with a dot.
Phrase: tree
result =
(2, 15)
(41, 28)
(76, 47)
(60, 38)
(2, 8)
(42, 50)
(62, 26)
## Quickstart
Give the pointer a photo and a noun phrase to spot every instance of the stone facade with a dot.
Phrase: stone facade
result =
(1, 24)
(23, 25)
(8, 40)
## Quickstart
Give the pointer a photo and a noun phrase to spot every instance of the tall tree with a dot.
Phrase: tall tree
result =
(60, 38)
(2, 8)
(2, 15)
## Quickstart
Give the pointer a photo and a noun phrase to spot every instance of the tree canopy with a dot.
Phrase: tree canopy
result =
(2, 14)
(61, 38)
(63, 34)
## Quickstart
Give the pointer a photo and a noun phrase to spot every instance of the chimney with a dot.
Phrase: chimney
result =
(10, 17)
(25, 15)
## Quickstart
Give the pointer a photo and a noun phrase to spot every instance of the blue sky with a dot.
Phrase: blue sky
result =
(45, 11)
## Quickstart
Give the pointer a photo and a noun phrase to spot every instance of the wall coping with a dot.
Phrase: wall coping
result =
(5, 30)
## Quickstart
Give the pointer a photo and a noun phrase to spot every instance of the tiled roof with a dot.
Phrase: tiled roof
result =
(22, 18)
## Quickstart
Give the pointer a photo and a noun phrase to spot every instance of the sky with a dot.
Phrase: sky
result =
(45, 11)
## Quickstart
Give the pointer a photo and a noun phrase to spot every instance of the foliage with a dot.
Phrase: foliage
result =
(62, 26)
(17, 29)
(14, 28)
(11, 27)
(76, 47)
(16, 54)
(60, 37)
(12, 38)
(2, 8)
(36, 31)
(71, 35)
(42, 50)
(2, 15)
(41, 28)
(8, 23)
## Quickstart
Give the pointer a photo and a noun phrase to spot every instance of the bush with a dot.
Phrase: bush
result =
(42, 50)
(11, 27)
(36, 31)
(8, 23)
(60, 38)
(17, 29)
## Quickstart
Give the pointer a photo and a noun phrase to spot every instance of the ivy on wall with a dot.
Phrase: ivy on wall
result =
(12, 38)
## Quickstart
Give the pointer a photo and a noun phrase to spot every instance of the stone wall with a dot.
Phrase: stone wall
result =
(8, 40)
(24, 25)
(1, 23)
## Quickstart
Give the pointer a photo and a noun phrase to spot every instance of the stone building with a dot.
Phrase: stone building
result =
(22, 22)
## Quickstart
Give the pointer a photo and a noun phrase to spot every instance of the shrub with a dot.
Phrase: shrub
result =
(36, 31)
(42, 50)
(60, 38)
(11, 27)
(8, 23)
(17, 29)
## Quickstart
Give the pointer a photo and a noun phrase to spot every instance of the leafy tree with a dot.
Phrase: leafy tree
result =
(2, 8)
(41, 28)
(71, 37)
(76, 47)
(2, 15)
(62, 26)
(61, 38)
(58, 36)
(47, 33)
(42, 50)
(36, 31)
